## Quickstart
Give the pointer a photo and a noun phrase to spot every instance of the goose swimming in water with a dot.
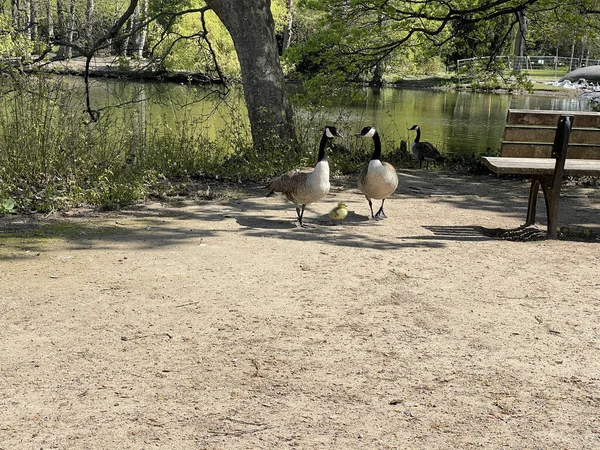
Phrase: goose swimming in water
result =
(424, 151)
(377, 180)
(308, 185)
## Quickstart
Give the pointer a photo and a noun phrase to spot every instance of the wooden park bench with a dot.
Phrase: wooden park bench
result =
(548, 145)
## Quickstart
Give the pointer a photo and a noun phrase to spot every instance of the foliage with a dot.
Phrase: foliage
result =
(12, 44)
(486, 75)
(181, 45)
(7, 206)
(473, 39)
(565, 28)
(469, 163)
(51, 159)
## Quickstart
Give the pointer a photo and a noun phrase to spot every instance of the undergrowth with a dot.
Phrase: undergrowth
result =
(51, 158)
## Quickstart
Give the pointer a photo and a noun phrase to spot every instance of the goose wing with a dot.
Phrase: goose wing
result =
(289, 181)
(428, 151)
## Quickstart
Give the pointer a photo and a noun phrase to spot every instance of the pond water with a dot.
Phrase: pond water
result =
(454, 121)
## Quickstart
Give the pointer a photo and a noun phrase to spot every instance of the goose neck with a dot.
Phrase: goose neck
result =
(418, 135)
(377, 143)
(322, 146)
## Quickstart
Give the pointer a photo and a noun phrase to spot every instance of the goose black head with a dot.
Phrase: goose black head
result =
(414, 127)
(331, 132)
(367, 132)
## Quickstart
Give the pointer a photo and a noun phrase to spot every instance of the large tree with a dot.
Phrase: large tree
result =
(252, 29)
(251, 26)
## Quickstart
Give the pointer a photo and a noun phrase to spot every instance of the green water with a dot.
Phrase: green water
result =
(454, 121)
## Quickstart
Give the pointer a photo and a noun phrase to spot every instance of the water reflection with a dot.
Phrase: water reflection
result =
(454, 121)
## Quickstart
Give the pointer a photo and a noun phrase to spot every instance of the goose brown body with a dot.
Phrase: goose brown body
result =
(303, 186)
(377, 180)
(307, 185)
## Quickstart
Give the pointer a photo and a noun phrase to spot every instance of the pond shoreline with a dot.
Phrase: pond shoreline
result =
(120, 68)
(142, 70)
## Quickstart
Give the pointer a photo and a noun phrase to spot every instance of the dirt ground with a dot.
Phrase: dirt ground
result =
(221, 325)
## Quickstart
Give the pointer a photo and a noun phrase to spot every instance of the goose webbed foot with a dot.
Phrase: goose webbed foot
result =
(380, 215)
(305, 225)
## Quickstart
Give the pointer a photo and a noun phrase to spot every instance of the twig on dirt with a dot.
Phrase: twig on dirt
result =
(260, 427)
(186, 304)
(256, 366)
(550, 330)
(125, 338)
(241, 432)
(256, 424)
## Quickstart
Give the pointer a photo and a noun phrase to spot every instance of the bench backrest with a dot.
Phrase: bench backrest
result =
(530, 134)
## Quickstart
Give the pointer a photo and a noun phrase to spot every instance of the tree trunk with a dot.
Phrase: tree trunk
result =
(252, 29)
(125, 41)
(27, 11)
(34, 20)
(89, 20)
(521, 33)
(71, 30)
(50, 35)
(61, 29)
(287, 32)
(16, 17)
(139, 37)
(377, 79)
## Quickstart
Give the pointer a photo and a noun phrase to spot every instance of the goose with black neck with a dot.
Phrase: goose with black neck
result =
(307, 185)
(377, 180)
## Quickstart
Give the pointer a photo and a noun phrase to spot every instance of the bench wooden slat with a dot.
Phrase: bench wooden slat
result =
(550, 118)
(529, 149)
(540, 166)
(544, 150)
(521, 133)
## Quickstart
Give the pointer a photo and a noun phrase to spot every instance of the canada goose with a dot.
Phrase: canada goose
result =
(304, 186)
(424, 151)
(377, 180)
(339, 212)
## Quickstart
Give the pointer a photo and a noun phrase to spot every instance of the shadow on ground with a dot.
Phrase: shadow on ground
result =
(163, 224)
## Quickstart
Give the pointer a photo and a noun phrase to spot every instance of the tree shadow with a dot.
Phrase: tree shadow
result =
(153, 225)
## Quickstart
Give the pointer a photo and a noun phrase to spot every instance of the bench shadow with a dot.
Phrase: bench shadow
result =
(479, 233)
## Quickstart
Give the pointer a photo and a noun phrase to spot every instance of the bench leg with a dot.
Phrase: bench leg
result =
(533, 194)
(552, 196)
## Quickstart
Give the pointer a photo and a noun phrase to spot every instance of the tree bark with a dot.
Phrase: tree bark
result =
(16, 17)
(34, 19)
(251, 26)
(287, 32)
(27, 12)
(139, 37)
(125, 42)
(521, 33)
(89, 20)
(50, 35)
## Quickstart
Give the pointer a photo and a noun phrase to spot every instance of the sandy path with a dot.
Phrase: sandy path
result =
(220, 325)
